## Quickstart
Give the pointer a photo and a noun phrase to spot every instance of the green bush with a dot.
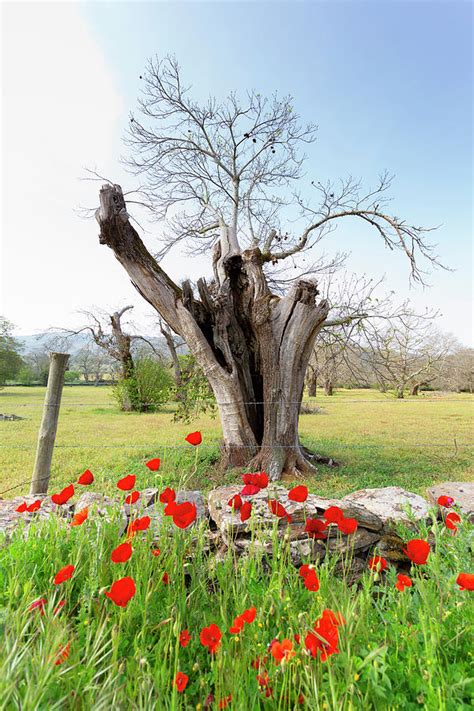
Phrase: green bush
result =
(148, 389)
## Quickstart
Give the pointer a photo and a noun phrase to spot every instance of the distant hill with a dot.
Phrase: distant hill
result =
(42, 341)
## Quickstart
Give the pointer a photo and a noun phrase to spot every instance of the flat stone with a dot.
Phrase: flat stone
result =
(461, 491)
(313, 507)
(357, 541)
(390, 504)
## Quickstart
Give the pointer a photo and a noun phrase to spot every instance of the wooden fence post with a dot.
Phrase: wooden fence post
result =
(49, 423)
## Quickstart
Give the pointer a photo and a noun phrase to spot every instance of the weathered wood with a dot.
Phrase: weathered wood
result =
(49, 423)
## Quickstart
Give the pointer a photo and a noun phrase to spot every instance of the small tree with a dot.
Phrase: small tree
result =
(11, 360)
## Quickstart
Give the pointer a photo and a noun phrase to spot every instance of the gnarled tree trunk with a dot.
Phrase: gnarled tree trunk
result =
(252, 345)
(312, 382)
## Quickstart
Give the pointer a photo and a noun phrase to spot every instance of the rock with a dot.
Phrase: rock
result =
(461, 491)
(390, 505)
(105, 506)
(357, 541)
(391, 547)
(313, 507)
(148, 497)
(10, 518)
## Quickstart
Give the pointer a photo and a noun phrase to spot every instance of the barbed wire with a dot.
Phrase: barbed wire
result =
(240, 446)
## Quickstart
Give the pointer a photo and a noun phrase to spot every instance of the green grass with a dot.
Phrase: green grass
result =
(410, 650)
(377, 439)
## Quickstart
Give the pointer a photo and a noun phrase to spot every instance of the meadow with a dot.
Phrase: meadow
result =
(179, 642)
(377, 440)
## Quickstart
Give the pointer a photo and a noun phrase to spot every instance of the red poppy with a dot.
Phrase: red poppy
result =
(167, 496)
(282, 651)
(333, 514)
(249, 615)
(465, 581)
(276, 508)
(245, 511)
(127, 483)
(418, 551)
(86, 478)
(377, 563)
(325, 640)
(34, 506)
(122, 553)
(250, 490)
(299, 493)
(211, 637)
(132, 498)
(311, 581)
(64, 496)
(38, 605)
(223, 703)
(184, 638)
(156, 552)
(22, 507)
(297, 638)
(334, 617)
(122, 591)
(79, 518)
(140, 524)
(184, 514)
(445, 501)
(170, 508)
(347, 525)
(259, 662)
(59, 607)
(63, 574)
(195, 438)
(403, 581)
(237, 625)
(180, 681)
(315, 527)
(451, 520)
(153, 465)
(259, 479)
(63, 654)
(165, 579)
(235, 502)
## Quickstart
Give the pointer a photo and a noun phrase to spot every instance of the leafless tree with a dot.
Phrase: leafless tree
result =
(221, 176)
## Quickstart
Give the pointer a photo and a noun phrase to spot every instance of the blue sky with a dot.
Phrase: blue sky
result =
(388, 83)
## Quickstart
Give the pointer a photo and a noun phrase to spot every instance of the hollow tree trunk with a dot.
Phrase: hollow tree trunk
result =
(415, 388)
(252, 345)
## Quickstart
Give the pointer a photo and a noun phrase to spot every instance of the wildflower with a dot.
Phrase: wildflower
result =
(79, 518)
(237, 625)
(258, 662)
(326, 639)
(465, 581)
(249, 615)
(140, 524)
(153, 465)
(38, 605)
(63, 654)
(276, 508)
(377, 563)
(184, 514)
(127, 483)
(165, 579)
(418, 551)
(223, 703)
(297, 638)
(156, 552)
(315, 528)
(403, 581)
(451, 520)
(347, 525)
(132, 498)
(245, 511)
(167, 495)
(184, 638)
(170, 508)
(211, 637)
(122, 591)
(235, 502)
(64, 496)
(34, 506)
(254, 483)
(299, 493)
(282, 651)
(64, 574)
(59, 607)
(250, 490)
(122, 553)
(445, 501)
(86, 478)
(22, 507)
(333, 514)
(195, 438)
(180, 681)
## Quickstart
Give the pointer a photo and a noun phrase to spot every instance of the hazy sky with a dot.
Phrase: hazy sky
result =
(388, 83)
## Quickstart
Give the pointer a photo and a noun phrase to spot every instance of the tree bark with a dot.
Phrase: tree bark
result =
(252, 345)
(312, 384)
(328, 387)
(400, 392)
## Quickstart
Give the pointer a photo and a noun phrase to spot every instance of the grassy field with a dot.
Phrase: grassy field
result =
(377, 439)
